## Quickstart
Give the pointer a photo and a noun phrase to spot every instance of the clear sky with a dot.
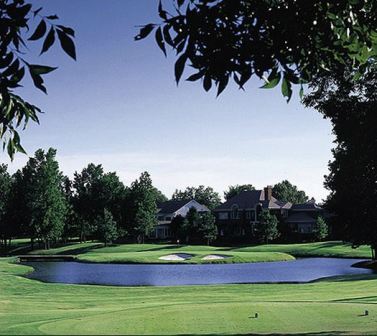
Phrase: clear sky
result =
(118, 105)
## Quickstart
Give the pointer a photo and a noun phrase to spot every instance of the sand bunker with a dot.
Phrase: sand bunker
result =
(176, 257)
(214, 257)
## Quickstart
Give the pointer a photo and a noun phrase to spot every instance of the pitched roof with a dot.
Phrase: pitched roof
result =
(300, 217)
(306, 206)
(249, 199)
(171, 206)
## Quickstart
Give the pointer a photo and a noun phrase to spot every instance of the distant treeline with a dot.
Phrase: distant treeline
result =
(41, 203)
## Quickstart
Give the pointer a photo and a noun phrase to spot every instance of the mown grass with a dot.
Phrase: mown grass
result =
(327, 307)
(150, 253)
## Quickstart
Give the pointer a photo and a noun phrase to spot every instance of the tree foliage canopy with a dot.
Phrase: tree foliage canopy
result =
(287, 192)
(17, 17)
(352, 180)
(279, 41)
(202, 194)
(236, 189)
(268, 227)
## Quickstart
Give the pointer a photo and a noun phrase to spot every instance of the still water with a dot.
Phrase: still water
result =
(301, 270)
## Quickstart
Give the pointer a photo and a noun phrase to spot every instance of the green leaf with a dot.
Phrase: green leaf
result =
(179, 67)
(39, 31)
(223, 82)
(195, 77)
(11, 149)
(286, 88)
(145, 31)
(52, 17)
(161, 12)
(160, 40)
(272, 80)
(207, 82)
(41, 69)
(301, 92)
(67, 44)
(17, 143)
(36, 12)
(67, 30)
(12, 69)
(49, 41)
(4, 62)
(38, 81)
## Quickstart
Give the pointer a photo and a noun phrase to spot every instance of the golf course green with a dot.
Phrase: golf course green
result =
(150, 253)
(331, 306)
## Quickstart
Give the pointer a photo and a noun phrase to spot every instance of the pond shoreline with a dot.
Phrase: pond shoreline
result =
(297, 271)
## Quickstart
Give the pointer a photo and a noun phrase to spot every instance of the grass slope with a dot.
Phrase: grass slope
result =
(327, 307)
(149, 253)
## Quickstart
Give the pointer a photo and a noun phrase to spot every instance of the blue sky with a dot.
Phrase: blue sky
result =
(119, 105)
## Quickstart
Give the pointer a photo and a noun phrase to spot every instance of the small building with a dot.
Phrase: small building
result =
(166, 212)
(240, 215)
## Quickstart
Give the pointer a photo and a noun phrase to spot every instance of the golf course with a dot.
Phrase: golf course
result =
(329, 306)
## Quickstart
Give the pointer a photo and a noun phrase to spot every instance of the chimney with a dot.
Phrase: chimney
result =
(268, 193)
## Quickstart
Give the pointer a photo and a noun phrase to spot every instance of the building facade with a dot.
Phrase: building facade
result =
(167, 211)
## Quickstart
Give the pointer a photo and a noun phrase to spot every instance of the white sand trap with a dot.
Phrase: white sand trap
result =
(176, 257)
(214, 257)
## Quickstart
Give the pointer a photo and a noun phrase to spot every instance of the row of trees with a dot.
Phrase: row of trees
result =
(39, 202)
(268, 229)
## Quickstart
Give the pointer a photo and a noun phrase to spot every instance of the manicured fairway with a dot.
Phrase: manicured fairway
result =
(326, 307)
(149, 253)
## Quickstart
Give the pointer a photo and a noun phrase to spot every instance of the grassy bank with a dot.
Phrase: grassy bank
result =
(150, 253)
(327, 307)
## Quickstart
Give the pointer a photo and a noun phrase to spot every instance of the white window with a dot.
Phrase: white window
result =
(223, 215)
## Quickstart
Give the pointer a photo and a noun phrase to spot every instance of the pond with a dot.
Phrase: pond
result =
(301, 270)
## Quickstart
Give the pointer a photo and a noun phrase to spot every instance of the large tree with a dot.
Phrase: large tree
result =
(96, 191)
(45, 196)
(20, 26)
(202, 194)
(351, 107)
(144, 208)
(279, 41)
(287, 192)
(234, 190)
